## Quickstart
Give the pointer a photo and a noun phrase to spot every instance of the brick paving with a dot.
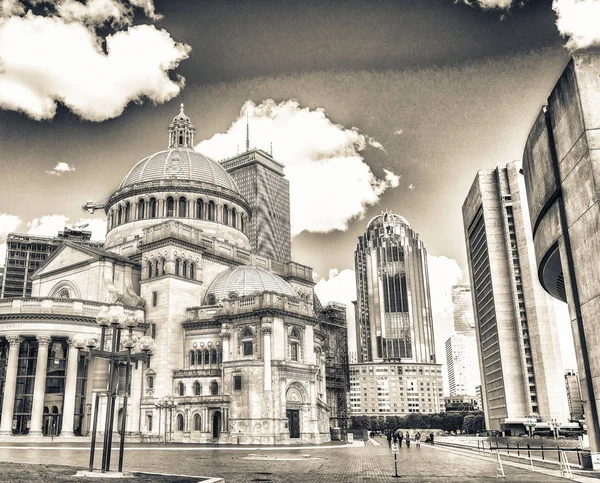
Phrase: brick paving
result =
(331, 464)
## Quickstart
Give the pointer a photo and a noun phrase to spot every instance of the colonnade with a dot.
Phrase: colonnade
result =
(37, 410)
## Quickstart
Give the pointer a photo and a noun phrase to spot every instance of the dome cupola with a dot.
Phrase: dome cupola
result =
(181, 131)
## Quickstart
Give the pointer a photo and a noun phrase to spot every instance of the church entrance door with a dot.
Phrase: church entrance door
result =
(293, 416)
(216, 429)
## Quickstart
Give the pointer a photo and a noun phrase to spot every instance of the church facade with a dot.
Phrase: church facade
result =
(240, 353)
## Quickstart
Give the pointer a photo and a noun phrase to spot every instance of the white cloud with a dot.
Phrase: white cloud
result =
(316, 153)
(8, 224)
(11, 7)
(579, 20)
(46, 60)
(411, 186)
(398, 132)
(50, 225)
(96, 225)
(487, 4)
(61, 168)
(94, 12)
(444, 272)
(392, 179)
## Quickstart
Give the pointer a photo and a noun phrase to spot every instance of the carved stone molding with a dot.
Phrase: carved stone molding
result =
(14, 340)
(225, 335)
(266, 330)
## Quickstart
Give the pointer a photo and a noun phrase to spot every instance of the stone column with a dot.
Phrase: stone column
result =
(226, 336)
(219, 213)
(39, 389)
(313, 401)
(70, 388)
(10, 384)
(266, 330)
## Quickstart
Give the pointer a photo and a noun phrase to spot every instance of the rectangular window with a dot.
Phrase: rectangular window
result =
(149, 422)
(237, 383)
(154, 299)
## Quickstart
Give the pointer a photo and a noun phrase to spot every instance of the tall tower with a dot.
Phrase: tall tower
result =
(262, 182)
(519, 353)
(394, 305)
(394, 325)
(462, 309)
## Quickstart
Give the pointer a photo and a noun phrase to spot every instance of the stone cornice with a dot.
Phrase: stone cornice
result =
(33, 318)
(205, 324)
(289, 316)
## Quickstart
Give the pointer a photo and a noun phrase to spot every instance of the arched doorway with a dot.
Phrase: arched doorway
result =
(216, 420)
(296, 399)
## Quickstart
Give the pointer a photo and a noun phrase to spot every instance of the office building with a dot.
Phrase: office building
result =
(519, 352)
(396, 371)
(262, 183)
(560, 167)
(462, 364)
(462, 310)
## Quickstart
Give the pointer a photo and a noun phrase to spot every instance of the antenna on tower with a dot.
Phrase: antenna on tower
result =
(247, 132)
(271, 148)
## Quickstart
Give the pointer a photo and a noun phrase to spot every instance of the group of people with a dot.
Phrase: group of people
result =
(396, 437)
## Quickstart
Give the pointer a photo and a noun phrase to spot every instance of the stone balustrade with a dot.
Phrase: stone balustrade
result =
(42, 305)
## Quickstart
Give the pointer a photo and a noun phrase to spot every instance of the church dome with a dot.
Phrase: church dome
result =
(247, 280)
(179, 163)
(386, 219)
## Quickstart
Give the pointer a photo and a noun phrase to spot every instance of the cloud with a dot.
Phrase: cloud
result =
(61, 168)
(411, 186)
(444, 272)
(316, 152)
(11, 7)
(490, 4)
(8, 224)
(398, 132)
(50, 225)
(100, 12)
(393, 180)
(46, 60)
(578, 20)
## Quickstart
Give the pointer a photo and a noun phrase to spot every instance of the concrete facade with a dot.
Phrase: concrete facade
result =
(560, 165)
(519, 353)
(462, 364)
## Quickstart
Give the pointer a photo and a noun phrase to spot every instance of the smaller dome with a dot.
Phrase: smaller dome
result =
(386, 218)
(247, 280)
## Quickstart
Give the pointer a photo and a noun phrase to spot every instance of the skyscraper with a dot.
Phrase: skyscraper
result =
(396, 370)
(262, 182)
(461, 347)
(519, 352)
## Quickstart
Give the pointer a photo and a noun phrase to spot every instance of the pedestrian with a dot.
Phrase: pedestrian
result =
(389, 438)
(418, 439)
(400, 438)
(431, 438)
(407, 438)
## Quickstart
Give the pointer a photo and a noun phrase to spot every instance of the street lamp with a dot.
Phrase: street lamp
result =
(160, 404)
(530, 425)
(554, 426)
(115, 319)
(169, 404)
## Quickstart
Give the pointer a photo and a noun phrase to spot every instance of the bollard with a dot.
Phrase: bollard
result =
(507, 449)
(542, 446)
(528, 451)
(518, 451)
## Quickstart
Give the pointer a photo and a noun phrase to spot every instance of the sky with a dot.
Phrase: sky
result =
(371, 106)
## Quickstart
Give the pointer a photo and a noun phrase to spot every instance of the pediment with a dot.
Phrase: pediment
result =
(64, 257)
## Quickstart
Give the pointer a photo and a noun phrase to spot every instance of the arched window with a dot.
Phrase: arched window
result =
(181, 389)
(247, 342)
(197, 389)
(206, 358)
(199, 208)
(214, 388)
(149, 269)
(152, 208)
(177, 266)
(180, 422)
(225, 215)
(141, 209)
(233, 217)
(192, 270)
(211, 210)
(243, 223)
(156, 269)
(184, 268)
(212, 300)
(213, 357)
(182, 207)
(170, 206)
(127, 211)
(192, 358)
(181, 139)
(119, 215)
(63, 293)
(164, 266)
(197, 422)
(294, 344)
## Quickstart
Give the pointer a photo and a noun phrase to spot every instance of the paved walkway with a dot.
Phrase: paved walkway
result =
(325, 464)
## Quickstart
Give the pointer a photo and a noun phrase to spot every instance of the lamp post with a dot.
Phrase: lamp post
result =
(530, 425)
(116, 320)
(169, 404)
(554, 425)
(160, 404)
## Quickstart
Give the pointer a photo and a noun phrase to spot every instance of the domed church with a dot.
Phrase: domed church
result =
(199, 251)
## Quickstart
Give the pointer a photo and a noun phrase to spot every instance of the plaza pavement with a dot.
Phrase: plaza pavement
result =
(335, 463)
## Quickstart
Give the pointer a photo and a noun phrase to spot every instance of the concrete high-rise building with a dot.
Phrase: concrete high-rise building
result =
(561, 171)
(461, 361)
(574, 394)
(519, 352)
(26, 253)
(262, 182)
(462, 309)
(394, 325)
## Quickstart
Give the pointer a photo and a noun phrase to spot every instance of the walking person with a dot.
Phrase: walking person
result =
(418, 439)
(389, 438)
(400, 439)
(407, 437)
(431, 438)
